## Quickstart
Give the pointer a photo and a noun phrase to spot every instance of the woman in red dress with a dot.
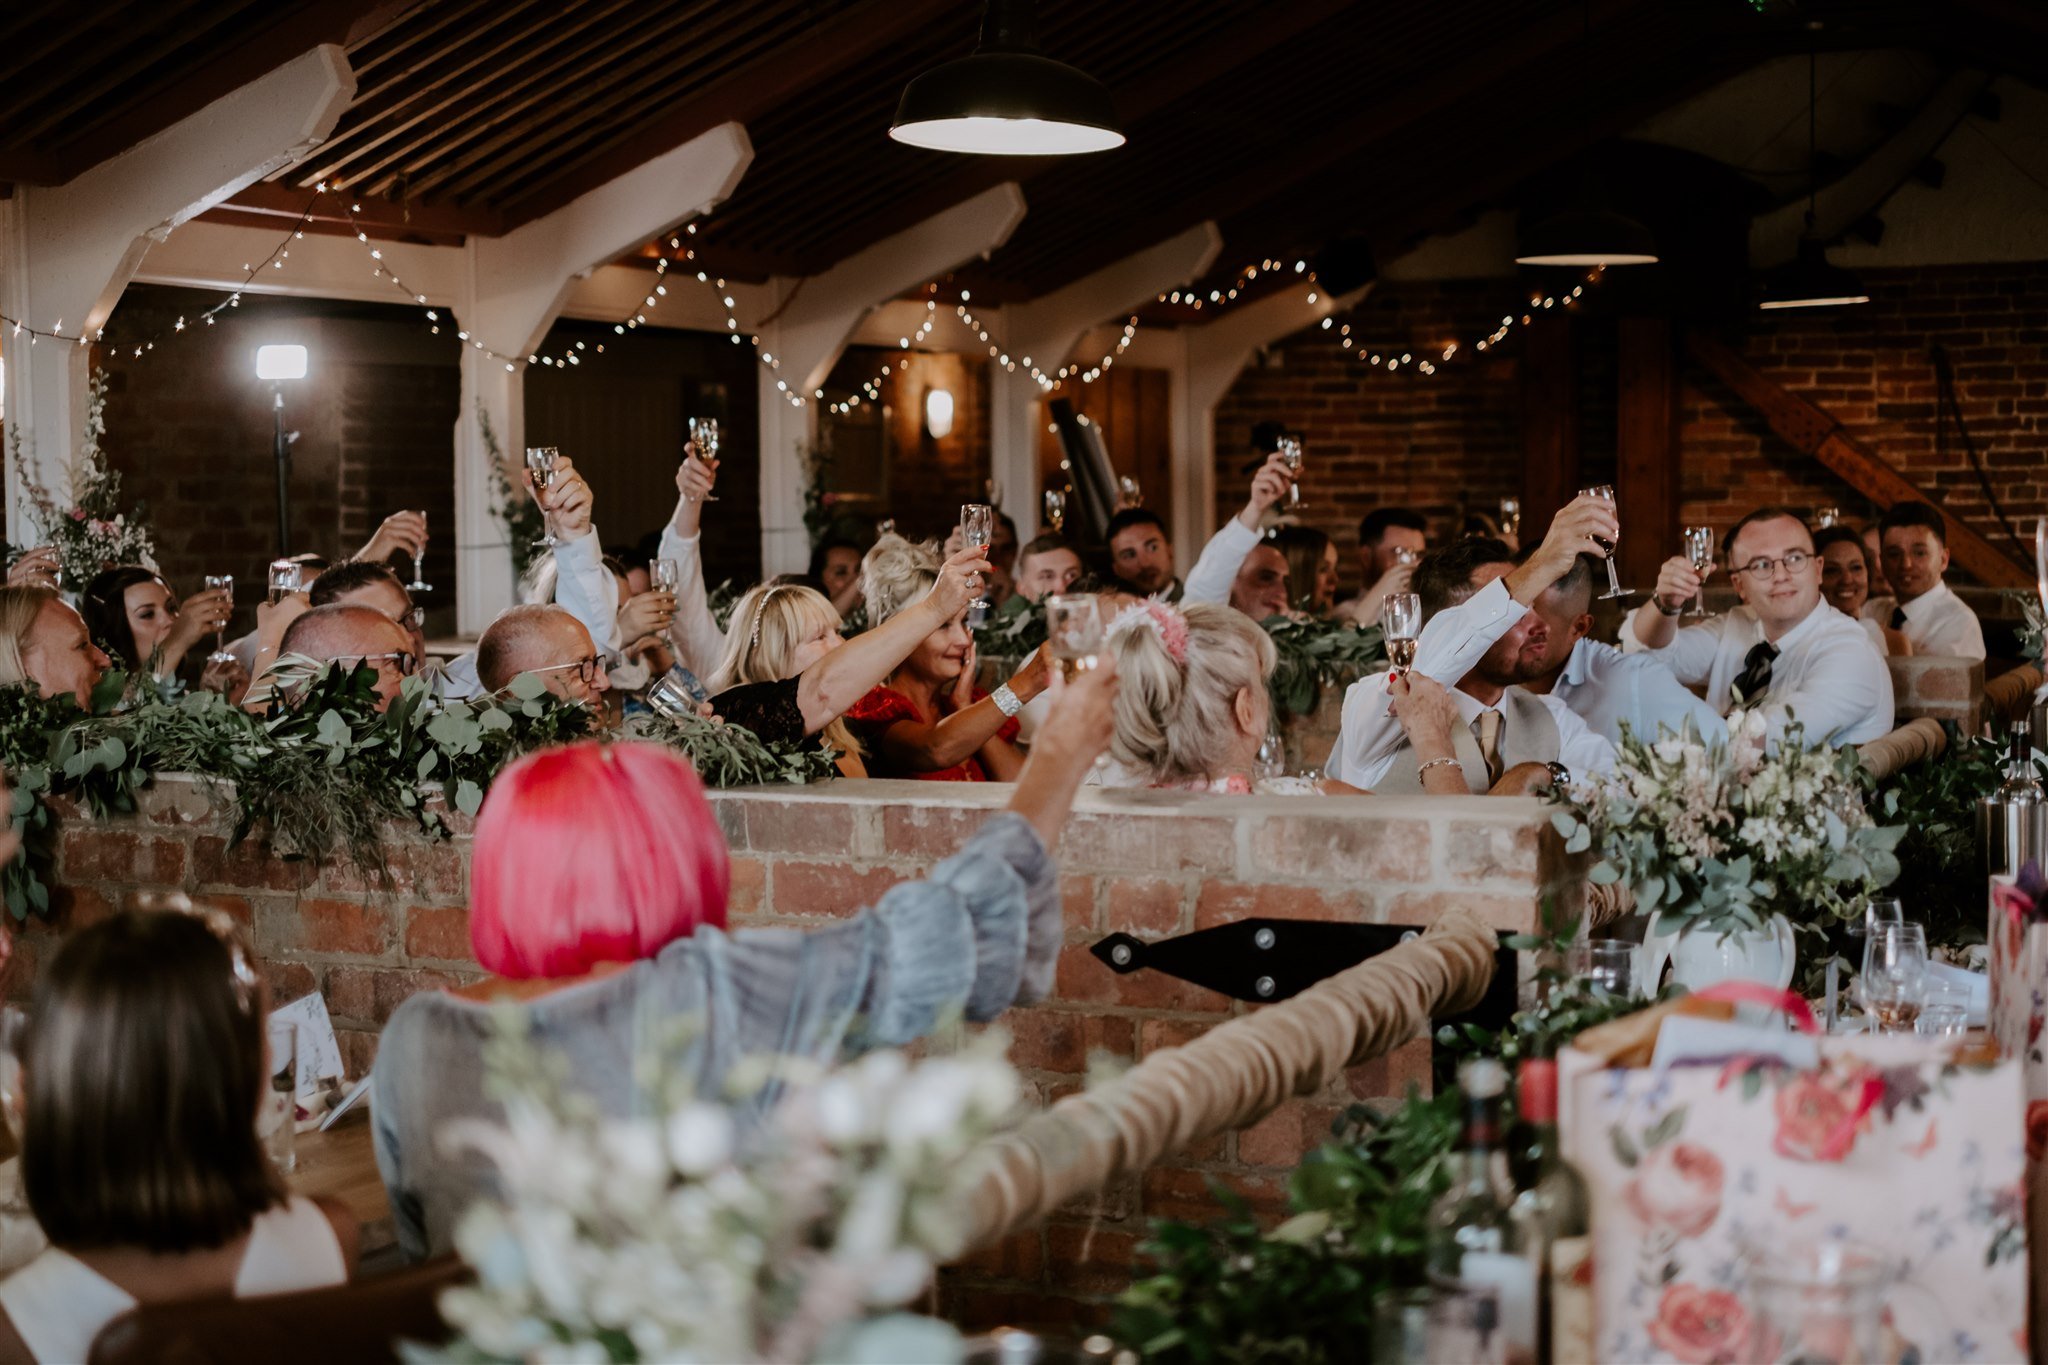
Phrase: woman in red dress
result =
(927, 719)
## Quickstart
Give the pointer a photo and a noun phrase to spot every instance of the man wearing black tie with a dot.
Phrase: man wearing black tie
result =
(1786, 651)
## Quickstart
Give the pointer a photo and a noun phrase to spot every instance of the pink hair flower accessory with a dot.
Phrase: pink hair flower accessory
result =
(1162, 620)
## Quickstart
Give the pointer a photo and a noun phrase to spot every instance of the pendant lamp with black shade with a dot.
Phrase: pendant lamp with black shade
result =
(1808, 280)
(1007, 98)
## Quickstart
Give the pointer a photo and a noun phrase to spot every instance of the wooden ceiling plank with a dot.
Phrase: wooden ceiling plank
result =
(1167, 83)
(283, 203)
(381, 49)
(745, 95)
(52, 92)
(540, 148)
(370, 123)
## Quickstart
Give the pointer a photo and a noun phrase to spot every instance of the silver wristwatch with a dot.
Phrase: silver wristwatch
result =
(1006, 700)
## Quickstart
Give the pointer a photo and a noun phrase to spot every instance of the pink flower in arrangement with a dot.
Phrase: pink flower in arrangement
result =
(78, 514)
(1703, 1326)
(1821, 1112)
(1677, 1187)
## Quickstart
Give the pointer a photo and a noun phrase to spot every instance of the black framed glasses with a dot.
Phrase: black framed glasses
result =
(1763, 570)
(586, 669)
(402, 659)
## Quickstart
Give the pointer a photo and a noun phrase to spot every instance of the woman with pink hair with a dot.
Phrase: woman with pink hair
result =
(598, 901)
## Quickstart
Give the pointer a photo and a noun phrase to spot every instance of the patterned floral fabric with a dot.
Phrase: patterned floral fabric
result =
(1888, 1142)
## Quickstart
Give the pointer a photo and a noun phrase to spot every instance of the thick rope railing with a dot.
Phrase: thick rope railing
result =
(1916, 741)
(2010, 696)
(1231, 1076)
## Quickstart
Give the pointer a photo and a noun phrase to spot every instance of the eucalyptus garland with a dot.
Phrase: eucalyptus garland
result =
(324, 777)
(1318, 654)
(1012, 631)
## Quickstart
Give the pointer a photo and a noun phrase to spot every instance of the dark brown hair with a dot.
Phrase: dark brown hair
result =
(144, 1059)
(104, 604)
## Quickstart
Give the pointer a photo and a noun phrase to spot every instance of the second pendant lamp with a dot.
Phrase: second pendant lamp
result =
(1808, 280)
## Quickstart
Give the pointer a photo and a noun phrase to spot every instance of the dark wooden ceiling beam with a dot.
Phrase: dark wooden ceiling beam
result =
(1140, 99)
(303, 28)
(748, 93)
(283, 203)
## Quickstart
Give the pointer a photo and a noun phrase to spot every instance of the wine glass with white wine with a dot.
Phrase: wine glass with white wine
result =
(704, 435)
(1699, 552)
(977, 530)
(540, 462)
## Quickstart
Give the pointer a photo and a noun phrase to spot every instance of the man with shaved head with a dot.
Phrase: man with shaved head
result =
(345, 634)
(547, 642)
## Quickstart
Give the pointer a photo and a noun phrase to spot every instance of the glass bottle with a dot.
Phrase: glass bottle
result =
(1550, 1219)
(1483, 1304)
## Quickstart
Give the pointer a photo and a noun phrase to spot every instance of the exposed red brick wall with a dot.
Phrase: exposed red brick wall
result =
(190, 430)
(1871, 367)
(1371, 438)
(1374, 439)
(1174, 865)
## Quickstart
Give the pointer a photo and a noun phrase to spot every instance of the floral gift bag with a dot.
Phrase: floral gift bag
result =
(2018, 937)
(1889, 1142)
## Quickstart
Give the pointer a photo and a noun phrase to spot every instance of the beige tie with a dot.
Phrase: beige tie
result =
(1487, 730)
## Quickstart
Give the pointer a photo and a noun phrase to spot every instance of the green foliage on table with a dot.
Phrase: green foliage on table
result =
(1566, 1006)
(1941, 860)
(2032, 633)
(732, 755)
(1305, 1291)
(1012, 631)
(1316, 654)
(322, 778)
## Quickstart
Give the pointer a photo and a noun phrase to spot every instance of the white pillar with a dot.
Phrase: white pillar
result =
(813, 329)
(1045, 331)
(68, 251)
(512, 290)
(1213, 356)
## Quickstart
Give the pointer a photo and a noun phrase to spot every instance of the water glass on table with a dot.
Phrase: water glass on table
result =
(277, 1111)
(1894, 979)
(225, 583)
(1607, 963)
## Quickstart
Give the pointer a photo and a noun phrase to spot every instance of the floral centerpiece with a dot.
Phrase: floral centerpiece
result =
(85, 521)
(1729, 839)
(676, 1236)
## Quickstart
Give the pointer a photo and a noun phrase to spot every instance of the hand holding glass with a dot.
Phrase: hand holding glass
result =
(1699, 552)
(285, 579)
(224, 583)
(704, 435)
(1605, 493)
(418, 584)
(664, 574)
(1400, 624)
(540, 463)
(1290, 451)
(977, 529)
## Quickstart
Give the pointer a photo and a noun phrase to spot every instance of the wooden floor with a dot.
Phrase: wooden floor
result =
(341, 1163)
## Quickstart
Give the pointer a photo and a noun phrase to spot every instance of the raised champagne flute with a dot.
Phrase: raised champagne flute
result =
(1511, 517)
(1056, 510)
(1699, 552)
(419, 584)
(977, 529)
(285, 579)
(663, 575)
(1073, 626)
(540, 462)
(704, 435)
(1128, 492)
(1400, 625)
(1605, 492)
(1829, 516)
(221, 582)
(1290, 452)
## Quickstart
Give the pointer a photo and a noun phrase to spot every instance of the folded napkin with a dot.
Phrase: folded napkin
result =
(1961, 980)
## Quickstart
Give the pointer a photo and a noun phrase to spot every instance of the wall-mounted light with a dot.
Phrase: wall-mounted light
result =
(938, 413)
(280, 362)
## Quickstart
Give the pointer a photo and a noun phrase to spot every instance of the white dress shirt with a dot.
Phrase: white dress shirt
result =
(1606, 687)
(1215, 573)
(1937, 622)
(585, 588)
(1453, 641)
(1827, 675)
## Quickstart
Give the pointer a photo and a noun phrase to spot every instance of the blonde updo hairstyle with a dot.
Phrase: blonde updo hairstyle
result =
(769, 623)
(897, 573)
(1174, 721)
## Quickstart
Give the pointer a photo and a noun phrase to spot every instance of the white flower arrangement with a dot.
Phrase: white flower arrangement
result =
(85, 521)
(678, 1237)
(1724, 835)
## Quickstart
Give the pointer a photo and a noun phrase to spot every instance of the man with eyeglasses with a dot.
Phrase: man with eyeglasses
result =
(547, 642)
(1786, 651)
(338, 633)
(1914, 538)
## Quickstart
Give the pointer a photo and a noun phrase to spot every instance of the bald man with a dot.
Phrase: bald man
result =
(342, 633)
(547, 642)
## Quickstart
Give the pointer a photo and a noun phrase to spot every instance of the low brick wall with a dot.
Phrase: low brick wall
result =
(1939, 686)
(1149, 864)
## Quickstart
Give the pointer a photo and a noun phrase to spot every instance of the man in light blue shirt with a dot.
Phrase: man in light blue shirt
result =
(1603, 686)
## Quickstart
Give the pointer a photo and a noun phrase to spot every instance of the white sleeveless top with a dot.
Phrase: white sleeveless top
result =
(59, 1304)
